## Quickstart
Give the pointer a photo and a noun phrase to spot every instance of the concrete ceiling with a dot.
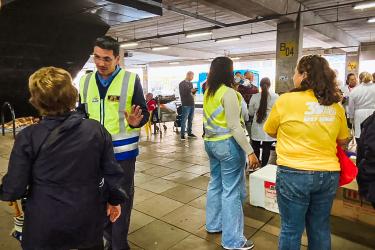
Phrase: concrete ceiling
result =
(257, 38)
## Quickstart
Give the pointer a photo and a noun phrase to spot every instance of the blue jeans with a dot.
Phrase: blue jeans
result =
(225, 192)
(305, 199)
(187, 114)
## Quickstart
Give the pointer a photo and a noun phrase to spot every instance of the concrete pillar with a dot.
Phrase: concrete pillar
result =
(352, 63)
(145, 79)
(122, 58)
(288, 51)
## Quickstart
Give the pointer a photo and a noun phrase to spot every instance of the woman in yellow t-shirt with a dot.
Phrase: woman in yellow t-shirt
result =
(308, 122)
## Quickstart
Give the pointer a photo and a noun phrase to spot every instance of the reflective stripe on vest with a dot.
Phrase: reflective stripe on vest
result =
(214, 121)
(110, 111)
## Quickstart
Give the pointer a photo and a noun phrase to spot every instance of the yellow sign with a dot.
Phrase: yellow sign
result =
(287, 49)
(352, 65)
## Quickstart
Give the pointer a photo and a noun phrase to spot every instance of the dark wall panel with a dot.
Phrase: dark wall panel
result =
(41, 33)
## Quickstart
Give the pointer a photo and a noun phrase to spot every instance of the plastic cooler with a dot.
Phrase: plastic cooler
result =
(262, 188)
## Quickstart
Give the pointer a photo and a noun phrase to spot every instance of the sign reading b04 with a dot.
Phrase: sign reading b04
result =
(287, 49)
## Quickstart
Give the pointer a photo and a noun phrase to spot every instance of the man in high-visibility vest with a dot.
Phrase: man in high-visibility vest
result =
(114, 97)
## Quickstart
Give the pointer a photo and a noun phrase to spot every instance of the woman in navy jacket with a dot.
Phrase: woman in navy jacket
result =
(62, 166)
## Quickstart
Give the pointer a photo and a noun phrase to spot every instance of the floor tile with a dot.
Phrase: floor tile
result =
(257, 213)
(340, 243)
(157, 185)
(187, 218)
(180, 177)
(183, 193)
(157, 206)
(179, 165)
(142, 195)
(141, 166)
(158, 160)
(199, 202)
(157, 235)
(159, 171)
(197, 169)
(196, 243)
(140, 178)
(139, 220)
(200, 182)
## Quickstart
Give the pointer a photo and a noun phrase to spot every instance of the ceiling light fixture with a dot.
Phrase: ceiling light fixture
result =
(366, 5)
(235, 58)
(198, 34)
(128, 44)
(174, 63)
(160, 48)
(371, 20)
(229, 39)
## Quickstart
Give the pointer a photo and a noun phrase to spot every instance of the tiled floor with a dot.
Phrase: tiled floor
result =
(169, 207)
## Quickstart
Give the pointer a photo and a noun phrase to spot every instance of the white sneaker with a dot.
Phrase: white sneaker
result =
(248, 245)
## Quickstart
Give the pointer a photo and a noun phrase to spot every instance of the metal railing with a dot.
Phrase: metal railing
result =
(3, 108)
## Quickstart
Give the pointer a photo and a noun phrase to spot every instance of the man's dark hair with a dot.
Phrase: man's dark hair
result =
(238, 72)
(108, 43)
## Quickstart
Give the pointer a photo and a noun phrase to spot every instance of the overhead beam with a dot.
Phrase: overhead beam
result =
(280, 7)
(172, 8)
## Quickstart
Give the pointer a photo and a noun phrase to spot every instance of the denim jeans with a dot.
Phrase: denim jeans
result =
(225, 192)
(187, 114)
(305, 199)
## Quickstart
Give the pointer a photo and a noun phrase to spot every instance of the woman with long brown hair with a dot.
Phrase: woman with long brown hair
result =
(259, 107)
(308, 123)
(226, 146)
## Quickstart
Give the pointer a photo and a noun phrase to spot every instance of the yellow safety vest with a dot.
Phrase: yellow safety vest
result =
(214, 122)
(110, 110)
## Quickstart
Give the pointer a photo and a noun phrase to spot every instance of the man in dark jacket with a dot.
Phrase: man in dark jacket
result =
(366, 160)
(59, 165)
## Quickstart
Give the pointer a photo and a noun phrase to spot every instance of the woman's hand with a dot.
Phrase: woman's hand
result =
(113, 212)
(253, 161)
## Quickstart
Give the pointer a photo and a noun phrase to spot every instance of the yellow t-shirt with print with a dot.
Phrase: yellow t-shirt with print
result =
(306, 131)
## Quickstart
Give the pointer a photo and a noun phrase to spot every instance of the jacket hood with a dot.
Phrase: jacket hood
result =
(67, 122)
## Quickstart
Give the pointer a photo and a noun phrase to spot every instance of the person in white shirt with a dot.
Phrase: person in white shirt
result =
(259, 107)
(362, 102)
(351, 83)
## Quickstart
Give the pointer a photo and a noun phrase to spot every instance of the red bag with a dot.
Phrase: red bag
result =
(348, 169)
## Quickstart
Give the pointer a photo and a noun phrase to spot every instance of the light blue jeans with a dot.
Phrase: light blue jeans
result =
(225, 192)
(305, 200)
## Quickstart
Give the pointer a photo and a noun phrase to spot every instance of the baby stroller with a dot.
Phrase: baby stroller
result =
(177, 123)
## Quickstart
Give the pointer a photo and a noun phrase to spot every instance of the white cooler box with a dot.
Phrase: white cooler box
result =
(262, 188)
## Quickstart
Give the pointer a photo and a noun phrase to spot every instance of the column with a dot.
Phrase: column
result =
(145, 79)
(352, 63)
(288, 51)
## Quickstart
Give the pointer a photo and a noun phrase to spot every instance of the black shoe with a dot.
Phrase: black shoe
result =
(183, 138)
(248, 245)
(192, 136)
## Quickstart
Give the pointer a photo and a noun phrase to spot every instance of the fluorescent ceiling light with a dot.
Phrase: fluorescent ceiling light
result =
(235, 58)
(371, 20)
(198, 34)
(366, 5)
(130, 44)
(229, 39)
(174, 63)
(159, 48)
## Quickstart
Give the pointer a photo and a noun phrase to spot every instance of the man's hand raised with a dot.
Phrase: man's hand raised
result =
(135, 117)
